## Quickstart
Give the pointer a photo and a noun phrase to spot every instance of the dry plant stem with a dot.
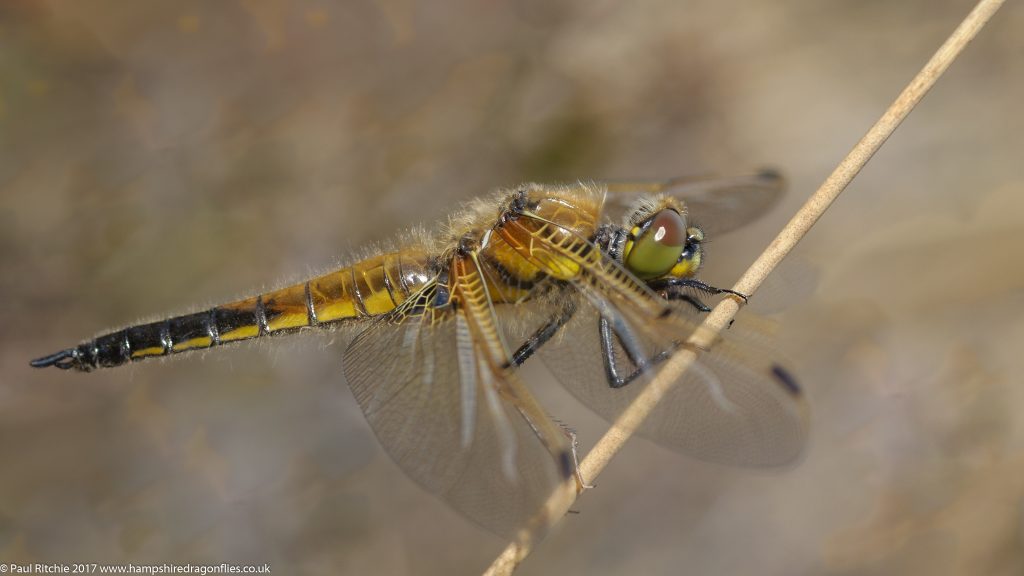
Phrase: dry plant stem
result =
(798, 226)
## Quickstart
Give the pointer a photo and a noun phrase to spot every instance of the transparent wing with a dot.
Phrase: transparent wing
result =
(736, 405)
(437, 412)
(718, 205)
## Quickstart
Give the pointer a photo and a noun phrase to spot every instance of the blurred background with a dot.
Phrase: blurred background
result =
(155, 158)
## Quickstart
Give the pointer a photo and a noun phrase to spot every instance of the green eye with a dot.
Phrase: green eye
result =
(658, 246)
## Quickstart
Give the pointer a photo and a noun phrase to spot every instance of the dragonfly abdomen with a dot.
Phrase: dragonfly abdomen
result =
(368, 288)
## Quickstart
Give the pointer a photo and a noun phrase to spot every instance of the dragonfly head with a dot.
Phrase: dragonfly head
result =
(660, 243)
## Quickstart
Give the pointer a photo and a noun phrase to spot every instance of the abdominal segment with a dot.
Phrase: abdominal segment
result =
(368, 288)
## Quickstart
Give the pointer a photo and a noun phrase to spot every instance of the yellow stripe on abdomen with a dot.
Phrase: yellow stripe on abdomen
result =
(371, 287)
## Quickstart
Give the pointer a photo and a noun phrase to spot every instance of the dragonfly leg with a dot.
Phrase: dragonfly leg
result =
(542, 335)
(607, 332)
(611, 367)
(678, 283)
(574, 443)
(691, 300)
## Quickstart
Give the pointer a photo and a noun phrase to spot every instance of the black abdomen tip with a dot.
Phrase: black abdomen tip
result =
(65, 360)
(786, 380)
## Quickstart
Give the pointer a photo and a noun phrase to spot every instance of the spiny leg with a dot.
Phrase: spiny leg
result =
(531, 346)
(570, 433)
(607, 336)
(671, 289)
(543, 335)
(668, 284)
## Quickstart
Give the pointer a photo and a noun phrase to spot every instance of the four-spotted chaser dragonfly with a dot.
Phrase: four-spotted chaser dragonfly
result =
(443, 321)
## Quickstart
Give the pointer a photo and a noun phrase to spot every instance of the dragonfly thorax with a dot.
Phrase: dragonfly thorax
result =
(540, 227)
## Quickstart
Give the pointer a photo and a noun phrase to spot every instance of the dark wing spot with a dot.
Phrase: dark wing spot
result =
(786, 379)
(565, 464)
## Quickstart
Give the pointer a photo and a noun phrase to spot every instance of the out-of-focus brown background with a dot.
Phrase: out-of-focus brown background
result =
(158, 157)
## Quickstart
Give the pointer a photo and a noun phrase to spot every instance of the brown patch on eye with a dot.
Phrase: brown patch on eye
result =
(668, 228)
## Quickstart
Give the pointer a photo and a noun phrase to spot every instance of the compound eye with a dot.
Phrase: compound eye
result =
(658, 246)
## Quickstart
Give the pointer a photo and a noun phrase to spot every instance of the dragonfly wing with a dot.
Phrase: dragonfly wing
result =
(735, 405)
(435, 408)
(718, 205)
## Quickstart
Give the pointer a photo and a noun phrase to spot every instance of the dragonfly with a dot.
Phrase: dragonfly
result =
(598, 279)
